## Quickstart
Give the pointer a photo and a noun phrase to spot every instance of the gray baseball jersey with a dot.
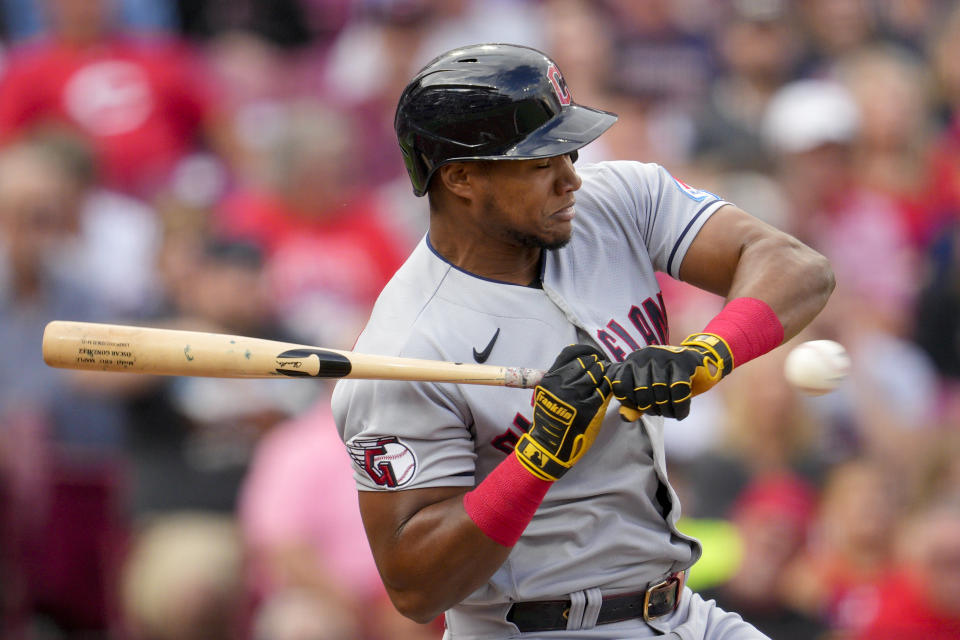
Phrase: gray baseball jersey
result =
(610, 522)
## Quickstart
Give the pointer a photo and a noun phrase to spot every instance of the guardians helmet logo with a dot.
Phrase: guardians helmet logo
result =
(559, 84)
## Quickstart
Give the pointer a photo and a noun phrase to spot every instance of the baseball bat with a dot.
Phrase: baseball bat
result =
(112, 347)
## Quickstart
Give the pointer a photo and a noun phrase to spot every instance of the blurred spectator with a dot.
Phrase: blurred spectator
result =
(850, 547)
(60, 443)
(922, 598)
(576, 31)
(657, 75)
(648, 125)
(656, 54)
(809, 127)
(328, 248)
(119, 236)
(26, 18)
(455, 23)
(281, 22)
(771, 516)
(892, 89)
(290, 106)
(308, 552)
(943, 178)
(938, 316)
(834, 29)
(367, 69)
(143, 103)
(944, 59)
(389, 40)
(39, 214)
(938, 312)
(939, 478)
(295, 614)
(909, 22)
(813, 127)
(183, 580)
(759, 50)
(766, 432)
(191, 439)
(255, 78)
(190, 444)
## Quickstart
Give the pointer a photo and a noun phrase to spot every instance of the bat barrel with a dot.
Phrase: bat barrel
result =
(103, 347)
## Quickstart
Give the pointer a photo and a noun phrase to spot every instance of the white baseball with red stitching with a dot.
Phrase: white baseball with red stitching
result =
(817, 367)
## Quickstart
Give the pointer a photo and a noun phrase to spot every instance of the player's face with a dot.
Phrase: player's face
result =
(529, 203)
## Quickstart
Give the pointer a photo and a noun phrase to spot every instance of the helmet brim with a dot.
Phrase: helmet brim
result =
(575, 127)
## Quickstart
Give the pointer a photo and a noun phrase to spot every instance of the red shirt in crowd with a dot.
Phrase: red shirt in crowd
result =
(339, 259)
(904, 613)
(140, 102)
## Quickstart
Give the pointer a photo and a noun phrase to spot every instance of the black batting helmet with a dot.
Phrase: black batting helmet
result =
(490, 102)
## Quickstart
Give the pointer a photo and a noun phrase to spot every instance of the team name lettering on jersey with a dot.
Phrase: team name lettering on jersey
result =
(648, 323)
(507, 440)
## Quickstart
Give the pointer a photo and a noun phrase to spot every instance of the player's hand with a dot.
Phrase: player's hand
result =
(660, 380)
(568, 406)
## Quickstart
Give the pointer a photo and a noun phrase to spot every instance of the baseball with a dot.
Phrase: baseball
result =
(817, 367)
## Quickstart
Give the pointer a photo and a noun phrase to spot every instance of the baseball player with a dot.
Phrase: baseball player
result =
(548, 514)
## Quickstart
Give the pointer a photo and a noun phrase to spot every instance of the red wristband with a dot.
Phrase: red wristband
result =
(504, 503)
(750, 328)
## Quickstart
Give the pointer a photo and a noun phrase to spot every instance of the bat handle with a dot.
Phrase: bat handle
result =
(521, 377)
(528, 378)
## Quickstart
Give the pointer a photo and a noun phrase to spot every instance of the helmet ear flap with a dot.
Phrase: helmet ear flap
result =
(417, 168)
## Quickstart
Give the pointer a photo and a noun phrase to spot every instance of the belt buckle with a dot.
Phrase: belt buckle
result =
(672, 582)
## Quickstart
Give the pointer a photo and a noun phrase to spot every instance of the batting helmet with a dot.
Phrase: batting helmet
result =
(490, 102)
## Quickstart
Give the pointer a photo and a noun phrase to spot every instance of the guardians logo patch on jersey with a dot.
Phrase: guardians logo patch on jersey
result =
(697, 195)
(388, 461)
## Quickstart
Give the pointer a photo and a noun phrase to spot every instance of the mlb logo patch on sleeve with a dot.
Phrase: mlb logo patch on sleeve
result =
(697, 195)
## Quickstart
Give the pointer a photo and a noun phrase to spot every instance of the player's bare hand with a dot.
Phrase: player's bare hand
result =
(569, 405)
(661, 380)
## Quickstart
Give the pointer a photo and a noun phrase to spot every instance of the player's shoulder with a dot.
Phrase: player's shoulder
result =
(629, 178)
(400, 303)
(615, 170)
(413, 315)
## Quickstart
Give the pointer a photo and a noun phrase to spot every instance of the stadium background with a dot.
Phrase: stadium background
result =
(231, 166)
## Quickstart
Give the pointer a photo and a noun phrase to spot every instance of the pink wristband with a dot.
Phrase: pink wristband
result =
(504, 503)
(750, 328)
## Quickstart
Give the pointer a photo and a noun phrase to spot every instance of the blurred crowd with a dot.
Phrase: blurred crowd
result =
(230, 166)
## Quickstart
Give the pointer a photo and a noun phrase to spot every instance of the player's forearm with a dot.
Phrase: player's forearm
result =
(793, 279)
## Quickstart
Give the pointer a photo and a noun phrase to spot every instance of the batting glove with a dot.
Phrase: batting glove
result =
(660, 380)
(568, 407)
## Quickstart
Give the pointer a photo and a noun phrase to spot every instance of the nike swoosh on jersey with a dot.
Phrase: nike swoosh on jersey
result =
(481, 356)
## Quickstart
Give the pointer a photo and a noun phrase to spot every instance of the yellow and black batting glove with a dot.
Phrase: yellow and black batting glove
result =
(716, 362)
(661, 380)
(569, 405)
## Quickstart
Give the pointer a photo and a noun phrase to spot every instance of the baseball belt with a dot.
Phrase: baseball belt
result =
(659, 599)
